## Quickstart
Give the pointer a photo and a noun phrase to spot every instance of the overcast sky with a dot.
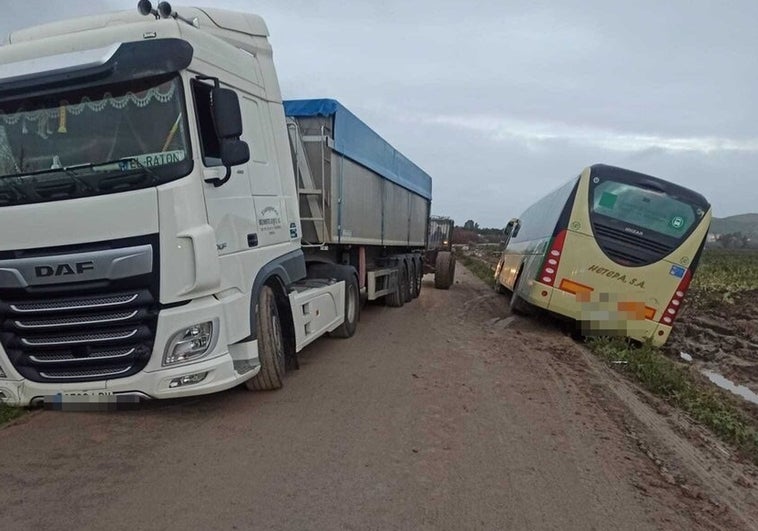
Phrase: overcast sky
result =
(503, 101)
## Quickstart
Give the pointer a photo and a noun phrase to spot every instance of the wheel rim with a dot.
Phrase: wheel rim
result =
(350, 310)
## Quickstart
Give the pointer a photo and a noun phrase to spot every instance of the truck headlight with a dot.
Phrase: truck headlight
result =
(189, 344)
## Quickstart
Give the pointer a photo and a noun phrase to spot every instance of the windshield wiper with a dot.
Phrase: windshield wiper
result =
(130, 172)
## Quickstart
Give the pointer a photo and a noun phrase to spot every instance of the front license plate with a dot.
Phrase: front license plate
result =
(89, 400)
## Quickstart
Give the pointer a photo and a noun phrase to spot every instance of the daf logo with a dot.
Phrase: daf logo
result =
(62, 270)
(634, 231)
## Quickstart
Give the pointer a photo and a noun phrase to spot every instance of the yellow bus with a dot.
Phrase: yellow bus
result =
(612, 249)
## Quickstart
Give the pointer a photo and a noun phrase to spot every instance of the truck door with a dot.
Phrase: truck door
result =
(230, 208)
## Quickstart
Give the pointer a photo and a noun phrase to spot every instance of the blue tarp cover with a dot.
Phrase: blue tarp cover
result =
(357, 141)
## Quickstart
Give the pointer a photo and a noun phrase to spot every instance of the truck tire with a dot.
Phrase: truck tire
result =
(418, 273)
(397, 299)
(444, 268)
(352, 295)
(270, 345)
(518, 305)
(410, 274)
(352, 309)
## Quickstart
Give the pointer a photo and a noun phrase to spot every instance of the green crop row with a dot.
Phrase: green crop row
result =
(722, 274)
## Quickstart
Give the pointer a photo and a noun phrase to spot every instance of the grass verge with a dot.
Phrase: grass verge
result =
(8, 413)
(679, 386)
(478, 267)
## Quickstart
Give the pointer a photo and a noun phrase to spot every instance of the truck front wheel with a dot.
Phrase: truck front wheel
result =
(270, 345)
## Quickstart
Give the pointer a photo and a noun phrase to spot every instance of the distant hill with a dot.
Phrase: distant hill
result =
(747, 224)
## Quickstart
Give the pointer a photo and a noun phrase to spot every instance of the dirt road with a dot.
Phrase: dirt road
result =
(444, 414)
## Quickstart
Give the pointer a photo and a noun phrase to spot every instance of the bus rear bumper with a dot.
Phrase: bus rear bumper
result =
(598, 319)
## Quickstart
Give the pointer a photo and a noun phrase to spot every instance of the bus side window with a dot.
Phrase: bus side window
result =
(211, 148)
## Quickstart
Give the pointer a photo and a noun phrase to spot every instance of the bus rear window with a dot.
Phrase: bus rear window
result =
(650, 210)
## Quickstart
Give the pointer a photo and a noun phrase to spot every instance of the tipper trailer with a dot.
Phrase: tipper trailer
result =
(165, 230)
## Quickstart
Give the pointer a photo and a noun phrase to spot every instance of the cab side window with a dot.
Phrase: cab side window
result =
(208, 139)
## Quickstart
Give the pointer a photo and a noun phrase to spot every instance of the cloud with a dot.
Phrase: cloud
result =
(531, 132)
(506, 99)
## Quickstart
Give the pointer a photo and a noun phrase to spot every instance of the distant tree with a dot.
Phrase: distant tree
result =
(734, 240)
(461, 235)
(471, 225)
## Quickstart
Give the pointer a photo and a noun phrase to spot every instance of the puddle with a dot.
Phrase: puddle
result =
(730, 386)
(685, 356)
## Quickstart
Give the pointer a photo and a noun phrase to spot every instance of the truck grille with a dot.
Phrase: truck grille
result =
(81, 330)
(80, 338)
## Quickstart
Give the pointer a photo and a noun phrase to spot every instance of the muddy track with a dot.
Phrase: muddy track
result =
(447, 413)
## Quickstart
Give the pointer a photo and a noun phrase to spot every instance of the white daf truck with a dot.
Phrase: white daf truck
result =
(165, 229)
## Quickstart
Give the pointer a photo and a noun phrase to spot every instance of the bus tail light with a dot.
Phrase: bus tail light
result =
(675, 303)
(552, 260)
(581, 291)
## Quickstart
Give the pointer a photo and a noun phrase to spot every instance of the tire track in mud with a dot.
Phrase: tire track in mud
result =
(699, 480)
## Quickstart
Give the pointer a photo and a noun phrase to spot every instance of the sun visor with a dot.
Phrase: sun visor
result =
(121, 62)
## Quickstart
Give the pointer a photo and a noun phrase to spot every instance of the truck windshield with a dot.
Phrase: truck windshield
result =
(142, 121)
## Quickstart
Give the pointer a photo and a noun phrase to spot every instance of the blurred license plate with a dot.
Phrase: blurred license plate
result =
(89, 400)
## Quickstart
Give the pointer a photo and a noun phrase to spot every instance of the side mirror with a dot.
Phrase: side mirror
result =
(234, 152)
(516, 228)
(227, 119)
(227, 116)
(507, 231)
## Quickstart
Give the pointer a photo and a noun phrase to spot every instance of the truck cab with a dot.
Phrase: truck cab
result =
(149, 224)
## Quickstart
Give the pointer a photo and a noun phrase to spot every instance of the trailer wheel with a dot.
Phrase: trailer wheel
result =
(518, 305)
(444, 268)
(397, 298)
(410, 275)
(270, 345)
(418, 273)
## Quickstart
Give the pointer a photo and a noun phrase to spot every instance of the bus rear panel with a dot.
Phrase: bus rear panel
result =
(621, 263)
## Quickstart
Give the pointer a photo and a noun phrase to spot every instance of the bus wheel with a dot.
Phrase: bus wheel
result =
(518, 305)
(270, 345)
